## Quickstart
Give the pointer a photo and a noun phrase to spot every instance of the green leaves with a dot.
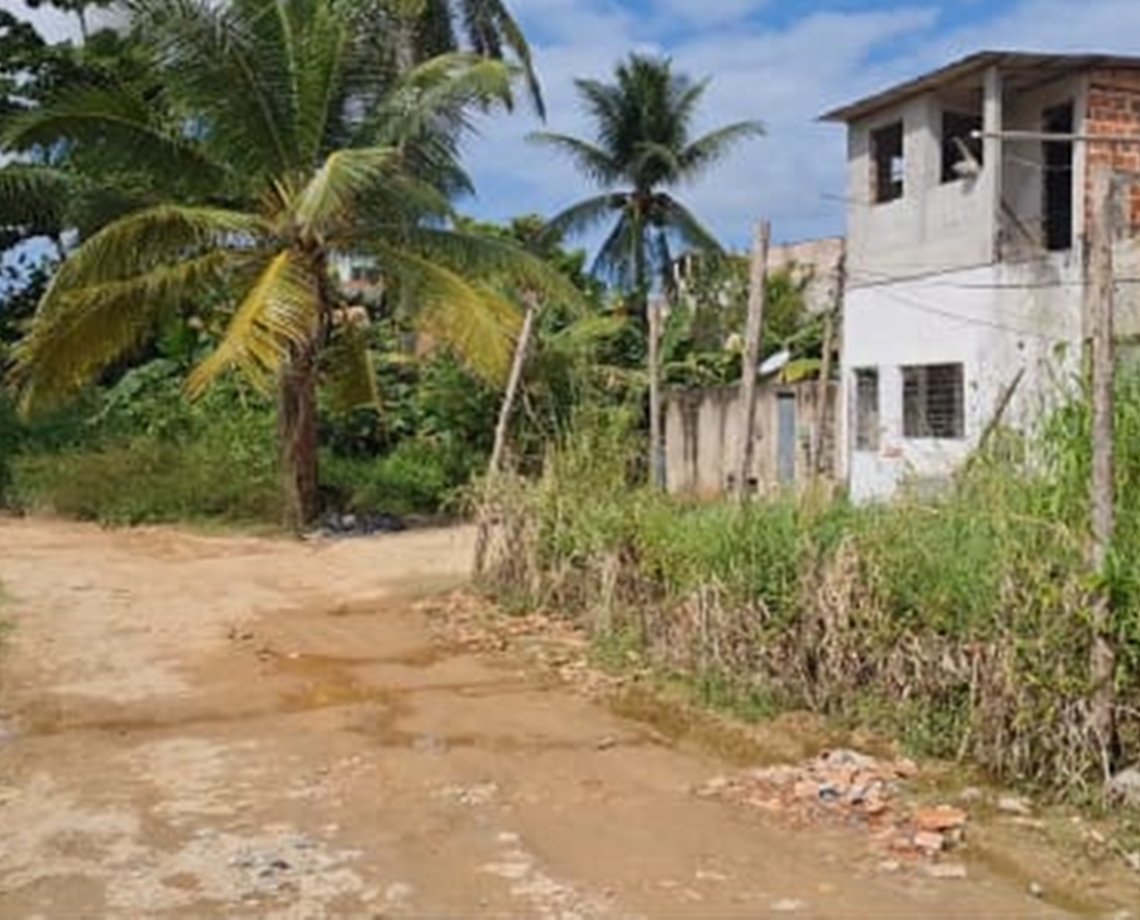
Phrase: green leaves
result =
(281, 310)
(641, 145)
(327, 200)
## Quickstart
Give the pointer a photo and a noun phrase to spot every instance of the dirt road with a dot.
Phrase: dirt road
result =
(217, 727)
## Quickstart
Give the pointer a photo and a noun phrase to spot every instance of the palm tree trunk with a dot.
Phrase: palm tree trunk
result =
(297, 436)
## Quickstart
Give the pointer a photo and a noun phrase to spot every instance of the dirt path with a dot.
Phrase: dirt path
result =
(244, 727)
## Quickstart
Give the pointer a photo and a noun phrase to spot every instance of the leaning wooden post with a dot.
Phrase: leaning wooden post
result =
(656, 443)
(506, 410)
(757, 284)
(823, 393)
(1100, 292)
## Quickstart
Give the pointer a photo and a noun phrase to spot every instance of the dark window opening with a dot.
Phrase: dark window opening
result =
(1057, 157)
(959, 145)
(890, 167)
(934, 401)
(867, 409)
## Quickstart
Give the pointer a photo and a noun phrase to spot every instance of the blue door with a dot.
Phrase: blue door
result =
(786, 438)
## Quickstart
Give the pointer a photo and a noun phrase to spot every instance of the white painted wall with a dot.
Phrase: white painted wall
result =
(995, 320)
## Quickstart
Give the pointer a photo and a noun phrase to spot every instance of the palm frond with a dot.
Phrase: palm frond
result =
(498, 262)
(280, 310)
(145, 239)
(671, 215)
(335, 188)
(617, 257)
(89, 328)
(116, 122)
(348, 370)
(585, 216)
(34, 198)
(489, 26)
(593, 162)
(713, 147)
(231, 63)
(475, 320)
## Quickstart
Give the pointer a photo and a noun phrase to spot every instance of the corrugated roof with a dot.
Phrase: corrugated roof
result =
(1026, 66)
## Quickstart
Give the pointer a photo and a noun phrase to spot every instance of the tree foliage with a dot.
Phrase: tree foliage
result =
(643, 147)
(277, 139)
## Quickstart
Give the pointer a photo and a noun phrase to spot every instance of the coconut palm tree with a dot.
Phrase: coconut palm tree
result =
(642, 148)
(282, 141)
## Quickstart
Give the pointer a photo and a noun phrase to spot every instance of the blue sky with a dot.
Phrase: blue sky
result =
(782, 61)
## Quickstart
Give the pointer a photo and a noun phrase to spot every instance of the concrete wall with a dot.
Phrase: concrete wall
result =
(815, 261)
(934, 225)
(995, 320)
(703, 430)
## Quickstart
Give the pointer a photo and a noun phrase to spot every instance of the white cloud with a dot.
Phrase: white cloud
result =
(53, 25)
(786, 76)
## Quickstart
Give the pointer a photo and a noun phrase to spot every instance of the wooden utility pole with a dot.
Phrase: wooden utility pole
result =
(757, 284)
(506, 410)
(1100, 293)
(656, 458)
(831, 318)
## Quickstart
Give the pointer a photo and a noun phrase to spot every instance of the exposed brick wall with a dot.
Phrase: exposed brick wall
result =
(1114, 109)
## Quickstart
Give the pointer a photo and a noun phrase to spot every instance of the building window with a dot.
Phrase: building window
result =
(959, 145)
(1057, 184)
(890, 167)
(867, 408)
(934, 401)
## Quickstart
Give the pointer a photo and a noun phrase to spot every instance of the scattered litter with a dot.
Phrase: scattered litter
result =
(606, 743)
(847, 787)
(787, 905)
(478, 794)
(945, 871)
(1036, 890)
(1012, 805)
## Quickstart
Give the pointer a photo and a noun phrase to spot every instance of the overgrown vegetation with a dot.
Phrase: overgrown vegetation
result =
(960, 625)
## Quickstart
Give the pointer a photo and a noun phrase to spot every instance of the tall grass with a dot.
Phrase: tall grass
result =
(960, 625)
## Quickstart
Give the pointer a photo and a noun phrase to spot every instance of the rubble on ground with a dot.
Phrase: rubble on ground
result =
(849, 788)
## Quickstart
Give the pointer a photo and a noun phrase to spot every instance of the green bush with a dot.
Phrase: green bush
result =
(417, 477)
(141, 452)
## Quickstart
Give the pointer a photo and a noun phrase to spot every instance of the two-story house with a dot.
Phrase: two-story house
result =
(966, 259)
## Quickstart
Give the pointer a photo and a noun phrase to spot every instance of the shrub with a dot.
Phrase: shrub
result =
(961, 624)
(417, 477)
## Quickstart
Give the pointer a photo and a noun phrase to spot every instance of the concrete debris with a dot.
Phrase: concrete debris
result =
(1124, 788)
(1013, 805)
(848, 787)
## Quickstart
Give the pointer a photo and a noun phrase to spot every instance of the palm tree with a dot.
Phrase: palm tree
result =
(281, 142)
(642, 147)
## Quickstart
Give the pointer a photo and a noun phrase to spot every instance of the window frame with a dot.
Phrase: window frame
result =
(916, 384)
(885, 161)
(867, 422)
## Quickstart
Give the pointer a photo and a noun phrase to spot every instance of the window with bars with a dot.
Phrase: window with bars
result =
(934, 397)
(867, 408)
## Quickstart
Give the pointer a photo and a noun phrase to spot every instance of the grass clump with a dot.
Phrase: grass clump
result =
(958, 624)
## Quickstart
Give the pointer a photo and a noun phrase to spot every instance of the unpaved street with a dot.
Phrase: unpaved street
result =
(217, 727)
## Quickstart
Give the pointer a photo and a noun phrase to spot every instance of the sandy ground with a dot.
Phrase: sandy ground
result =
(217, 727)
